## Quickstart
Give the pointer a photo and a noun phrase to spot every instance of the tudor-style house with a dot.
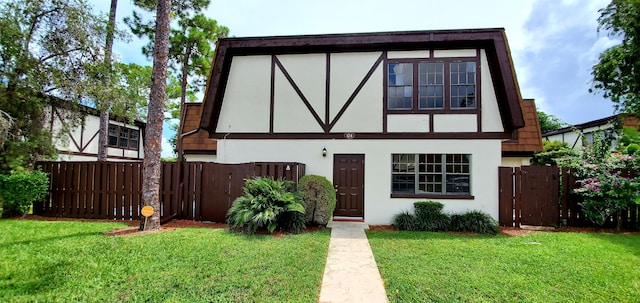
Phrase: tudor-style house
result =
(389, 118)
(125, 140)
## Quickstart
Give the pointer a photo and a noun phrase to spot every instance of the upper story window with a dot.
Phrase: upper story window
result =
(440, 83)
(123, 137)
(400, 88)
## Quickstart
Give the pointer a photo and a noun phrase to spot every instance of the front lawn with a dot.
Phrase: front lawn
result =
(539, 267)
(48, 261)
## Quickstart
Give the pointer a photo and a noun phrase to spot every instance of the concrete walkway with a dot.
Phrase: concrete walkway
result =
(351, 273)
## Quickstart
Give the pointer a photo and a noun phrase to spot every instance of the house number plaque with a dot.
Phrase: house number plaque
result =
(349, 135)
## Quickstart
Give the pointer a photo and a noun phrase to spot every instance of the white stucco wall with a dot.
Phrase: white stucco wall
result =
(491, 119)
(448, 53)
(379, 207)
(407, 123)
(347, 71)
(454, 123)
(516, 161)
(247, 96)
(408, 54)
(200, 158)
(572, 138)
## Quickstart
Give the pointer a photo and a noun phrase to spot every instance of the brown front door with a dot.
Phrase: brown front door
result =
(348, 179)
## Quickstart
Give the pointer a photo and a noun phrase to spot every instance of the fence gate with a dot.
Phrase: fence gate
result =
(529, 195)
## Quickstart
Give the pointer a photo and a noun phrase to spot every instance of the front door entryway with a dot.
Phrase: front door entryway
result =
(348, 179)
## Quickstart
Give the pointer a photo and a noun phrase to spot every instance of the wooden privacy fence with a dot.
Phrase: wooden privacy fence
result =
(543, 196)
(113, 190)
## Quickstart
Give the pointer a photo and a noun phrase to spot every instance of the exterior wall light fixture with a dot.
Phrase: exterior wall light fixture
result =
(324, 152)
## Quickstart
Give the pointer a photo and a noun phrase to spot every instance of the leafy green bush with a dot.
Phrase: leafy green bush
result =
(266, 203)
(474, 221)
(318, 198)
(429, 216)
(19, 189)
(405, 221)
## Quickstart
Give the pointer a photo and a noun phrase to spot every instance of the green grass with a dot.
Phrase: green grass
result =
(563, 267)
(72, 261)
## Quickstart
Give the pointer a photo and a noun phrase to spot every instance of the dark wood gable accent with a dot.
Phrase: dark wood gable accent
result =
(492, 40)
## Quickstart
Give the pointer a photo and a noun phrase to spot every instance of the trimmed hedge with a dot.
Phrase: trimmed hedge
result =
(318, 198)
(19, 189)
(429, 217)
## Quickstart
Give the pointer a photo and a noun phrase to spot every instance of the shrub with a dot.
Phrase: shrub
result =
(266, 204)
(318, 198)
(405, 221)
(474, 221)
(19, 189)
(429, 216)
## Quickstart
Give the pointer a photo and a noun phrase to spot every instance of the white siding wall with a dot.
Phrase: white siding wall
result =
(379, 207)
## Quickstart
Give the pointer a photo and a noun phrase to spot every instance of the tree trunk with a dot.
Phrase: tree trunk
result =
(103, 136)
(183, 99)
(153, 138)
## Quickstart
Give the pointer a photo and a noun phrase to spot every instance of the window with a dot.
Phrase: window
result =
(463, 84)
(400, 90)
(441, 174)
(123, 137)
(431, 85)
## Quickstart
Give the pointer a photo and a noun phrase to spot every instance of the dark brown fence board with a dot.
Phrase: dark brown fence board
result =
(505, 216)
(112, 190)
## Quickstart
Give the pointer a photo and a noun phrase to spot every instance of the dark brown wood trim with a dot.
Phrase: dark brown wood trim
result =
(272, 93)
(90, 140)
(61, 152)
(355, 92)
(478, 90)
(200, 152)
(55, 110)
(385, 90)
(434, 196)
(431, 53)
(492, 40)
(430, 59)
(517, 154)
(380, 136)
(326, 92)
(300, 94)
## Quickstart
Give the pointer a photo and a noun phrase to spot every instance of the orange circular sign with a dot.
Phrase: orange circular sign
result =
(147, 211)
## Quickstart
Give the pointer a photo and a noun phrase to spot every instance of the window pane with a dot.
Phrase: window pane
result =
(400, 87)
(431, 87)
(458, 184)
(403, 183)
(463, 85)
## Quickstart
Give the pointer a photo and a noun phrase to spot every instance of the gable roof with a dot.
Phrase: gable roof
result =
(494, 41)
(528, 139)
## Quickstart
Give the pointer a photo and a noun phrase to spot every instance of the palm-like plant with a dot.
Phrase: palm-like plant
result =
(263, 203)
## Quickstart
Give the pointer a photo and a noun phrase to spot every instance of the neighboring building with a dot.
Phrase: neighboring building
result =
(578, 135)
(390, 118)
(81, 143)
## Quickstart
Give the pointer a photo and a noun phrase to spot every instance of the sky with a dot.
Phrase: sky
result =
(554, 43)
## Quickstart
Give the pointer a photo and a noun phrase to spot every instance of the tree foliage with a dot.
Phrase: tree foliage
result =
(549, 123)
(47, 48)
(617, 72)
